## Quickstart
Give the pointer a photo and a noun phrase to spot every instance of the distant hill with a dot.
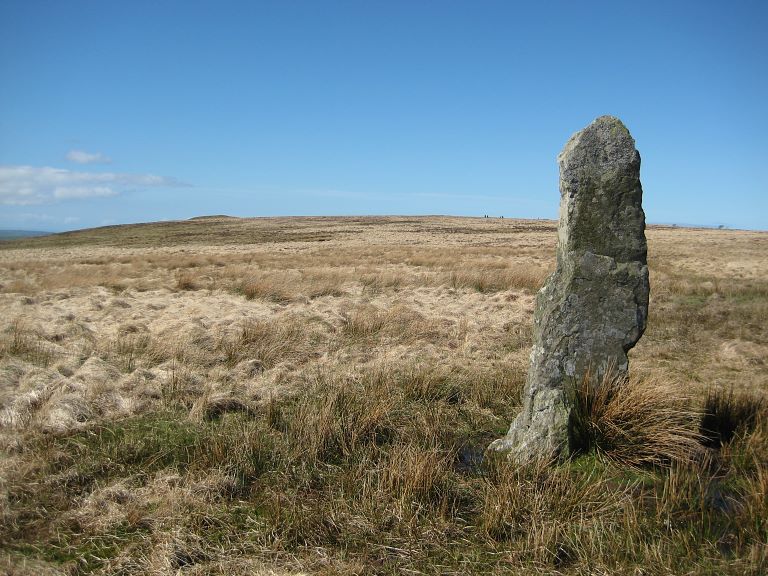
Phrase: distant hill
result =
(12, 234)
(214, 230)
(227, 230)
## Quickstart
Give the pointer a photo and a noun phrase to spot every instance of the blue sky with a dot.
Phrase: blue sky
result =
(116, 112)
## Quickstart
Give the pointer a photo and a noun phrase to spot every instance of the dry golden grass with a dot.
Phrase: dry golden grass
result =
(636, 422)
(286, 396)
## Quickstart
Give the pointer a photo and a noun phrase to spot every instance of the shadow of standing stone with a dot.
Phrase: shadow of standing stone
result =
(593, 308)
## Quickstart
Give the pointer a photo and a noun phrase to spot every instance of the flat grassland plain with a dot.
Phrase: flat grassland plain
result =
(312, 396)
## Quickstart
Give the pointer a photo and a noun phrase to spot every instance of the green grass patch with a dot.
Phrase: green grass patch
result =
(367, 472)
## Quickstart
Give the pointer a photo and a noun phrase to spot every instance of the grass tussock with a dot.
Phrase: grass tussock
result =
(284, 288)
(265, 344)
(634, 421)
(727, 413)
(539, 508)
(494, 280)
(273, 290)
(399, 323)
(21, 341)
(186, 280)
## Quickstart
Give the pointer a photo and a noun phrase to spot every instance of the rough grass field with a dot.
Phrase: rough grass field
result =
(313, 395)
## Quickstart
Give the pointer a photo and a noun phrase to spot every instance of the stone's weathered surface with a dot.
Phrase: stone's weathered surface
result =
(593, 308)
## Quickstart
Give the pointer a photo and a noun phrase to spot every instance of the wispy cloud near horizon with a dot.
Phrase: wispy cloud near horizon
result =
(82, 157)
(33, 185)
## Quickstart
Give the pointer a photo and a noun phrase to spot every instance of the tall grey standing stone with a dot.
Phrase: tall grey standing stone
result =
(593, 308)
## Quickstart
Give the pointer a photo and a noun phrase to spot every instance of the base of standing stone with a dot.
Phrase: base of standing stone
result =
(540, 432)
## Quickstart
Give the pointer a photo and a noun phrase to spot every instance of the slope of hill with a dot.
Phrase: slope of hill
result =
(13, 234)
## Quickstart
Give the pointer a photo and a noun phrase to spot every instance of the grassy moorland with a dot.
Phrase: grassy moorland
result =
(312, 396)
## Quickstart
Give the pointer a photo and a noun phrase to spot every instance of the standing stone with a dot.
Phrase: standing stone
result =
(593, 308)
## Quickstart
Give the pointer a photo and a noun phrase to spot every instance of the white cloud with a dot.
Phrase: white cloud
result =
(29, 185)
(82, 157)
(83, 192)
